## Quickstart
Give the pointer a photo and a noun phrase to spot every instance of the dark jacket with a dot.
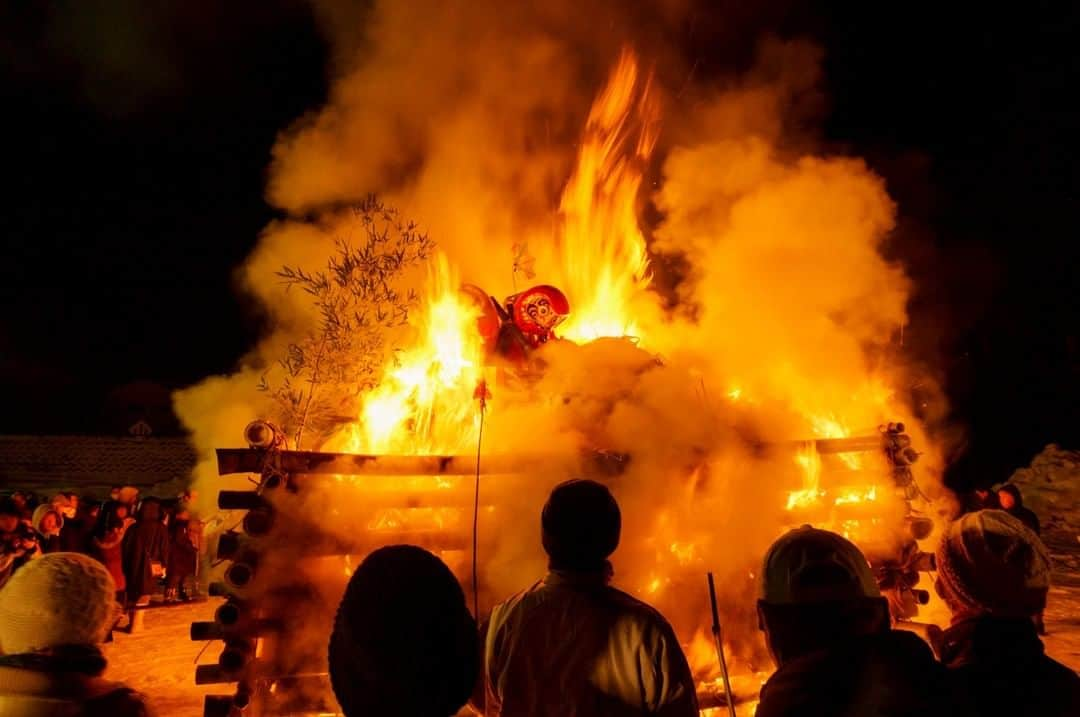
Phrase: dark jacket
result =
(34, 685)
(49, 543)
(74, 534)
(145, 543)
(109, 552)
(183, 555)
(893, 673)
(1000, 665)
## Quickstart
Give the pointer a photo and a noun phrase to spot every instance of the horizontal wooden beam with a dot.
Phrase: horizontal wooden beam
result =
(252, 460)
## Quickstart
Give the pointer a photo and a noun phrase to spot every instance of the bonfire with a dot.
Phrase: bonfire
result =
(721, 411)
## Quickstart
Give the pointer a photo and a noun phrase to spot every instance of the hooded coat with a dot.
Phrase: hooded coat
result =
(183, 553)
(145, 543)
(1019, 511)
(76, 531)
(105, 544)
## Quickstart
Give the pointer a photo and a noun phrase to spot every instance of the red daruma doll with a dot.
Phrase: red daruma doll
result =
(526, 323)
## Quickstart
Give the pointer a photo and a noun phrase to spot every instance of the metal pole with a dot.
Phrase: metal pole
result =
(720, 647)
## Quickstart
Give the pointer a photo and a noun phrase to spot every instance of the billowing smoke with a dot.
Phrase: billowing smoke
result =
(776, 321)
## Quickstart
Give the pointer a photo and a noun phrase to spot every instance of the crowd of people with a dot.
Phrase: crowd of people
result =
(573, 645)
(405, 643)
(144, 543)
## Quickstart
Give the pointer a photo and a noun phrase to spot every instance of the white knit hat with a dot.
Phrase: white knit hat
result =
(57, 599)
(39, 514)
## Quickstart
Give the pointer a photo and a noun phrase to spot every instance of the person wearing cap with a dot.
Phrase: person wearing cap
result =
(827, 627)
(994, 575)
(403, 642)
(574, 645)
(54, 614)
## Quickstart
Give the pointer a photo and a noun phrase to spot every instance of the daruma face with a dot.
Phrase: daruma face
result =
(540, 309)
(540, 312)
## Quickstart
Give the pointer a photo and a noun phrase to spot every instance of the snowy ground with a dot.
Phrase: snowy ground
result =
(1063, 607)
(160, 660)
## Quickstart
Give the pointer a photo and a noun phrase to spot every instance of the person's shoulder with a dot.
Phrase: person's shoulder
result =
(522, 598)
(907, 656)
(907, 643)
(638, 609)
(1062, 674)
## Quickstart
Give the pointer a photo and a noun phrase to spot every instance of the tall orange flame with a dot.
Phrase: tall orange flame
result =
(424, 403)
(604, 262)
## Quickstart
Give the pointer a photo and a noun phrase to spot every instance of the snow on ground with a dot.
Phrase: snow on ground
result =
(159, 660)
(1051, 487)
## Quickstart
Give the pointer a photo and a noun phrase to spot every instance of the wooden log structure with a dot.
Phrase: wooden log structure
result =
(253, 460)
(243, 623)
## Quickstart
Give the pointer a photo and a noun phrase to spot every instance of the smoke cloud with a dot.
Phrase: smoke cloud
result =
(778, 326)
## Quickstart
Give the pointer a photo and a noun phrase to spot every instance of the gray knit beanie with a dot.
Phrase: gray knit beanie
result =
(57, 599)
(991, 563)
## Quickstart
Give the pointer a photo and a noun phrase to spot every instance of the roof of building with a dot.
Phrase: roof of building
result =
(94, 460)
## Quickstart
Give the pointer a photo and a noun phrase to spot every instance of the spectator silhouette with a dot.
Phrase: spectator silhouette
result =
(1012, 502)
(54, 614)
(404, 643)
(573, 645)
(48, 523)
(994, 574)
(145, 553)
(827, 627)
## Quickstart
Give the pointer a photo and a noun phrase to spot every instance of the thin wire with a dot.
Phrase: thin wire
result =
(476, 516)
(202, 651)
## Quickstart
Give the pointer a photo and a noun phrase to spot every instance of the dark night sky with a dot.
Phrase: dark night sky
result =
(136, 148)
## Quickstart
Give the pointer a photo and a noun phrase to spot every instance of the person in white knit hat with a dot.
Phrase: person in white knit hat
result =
(54, 613)
(47, 522)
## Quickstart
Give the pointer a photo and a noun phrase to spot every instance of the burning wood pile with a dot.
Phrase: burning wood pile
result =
(761, 387)
(273, 610)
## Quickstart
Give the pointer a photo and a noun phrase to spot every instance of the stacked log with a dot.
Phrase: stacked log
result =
(277, 614)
